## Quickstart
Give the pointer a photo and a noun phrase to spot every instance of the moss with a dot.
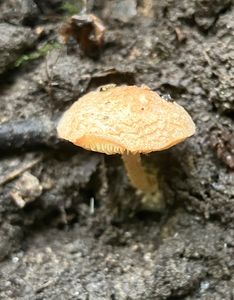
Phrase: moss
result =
(40, 52)
(73, 7)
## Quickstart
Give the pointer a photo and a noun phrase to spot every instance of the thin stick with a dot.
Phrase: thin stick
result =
(15, 173)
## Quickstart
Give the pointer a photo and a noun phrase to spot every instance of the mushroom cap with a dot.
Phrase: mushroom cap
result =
(125, 119)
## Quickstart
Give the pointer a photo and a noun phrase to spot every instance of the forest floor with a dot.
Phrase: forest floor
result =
(71, 226)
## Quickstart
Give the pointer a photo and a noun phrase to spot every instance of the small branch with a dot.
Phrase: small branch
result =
(28, 134)
(13, 174)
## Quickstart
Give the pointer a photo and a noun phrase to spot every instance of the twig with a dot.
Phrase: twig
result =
(13, 174)
(28, 134)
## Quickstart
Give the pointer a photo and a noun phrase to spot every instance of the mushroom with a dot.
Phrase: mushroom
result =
(126, 120)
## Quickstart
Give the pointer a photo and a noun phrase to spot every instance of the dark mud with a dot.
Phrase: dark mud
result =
(81, 232)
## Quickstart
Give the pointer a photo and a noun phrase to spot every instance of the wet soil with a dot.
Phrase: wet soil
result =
(71, 226)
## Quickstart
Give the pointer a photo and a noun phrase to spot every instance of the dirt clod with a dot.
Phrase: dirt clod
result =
(14, 40)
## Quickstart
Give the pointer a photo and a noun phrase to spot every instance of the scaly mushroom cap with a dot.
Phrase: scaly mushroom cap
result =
(125, 119)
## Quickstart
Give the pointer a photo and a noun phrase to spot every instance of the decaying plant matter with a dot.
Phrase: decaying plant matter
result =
(87, 30)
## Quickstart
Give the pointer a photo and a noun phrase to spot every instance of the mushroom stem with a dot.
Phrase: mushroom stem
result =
(136, 173)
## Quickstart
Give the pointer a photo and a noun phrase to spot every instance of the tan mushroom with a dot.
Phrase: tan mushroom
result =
(126, 120)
